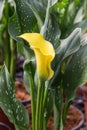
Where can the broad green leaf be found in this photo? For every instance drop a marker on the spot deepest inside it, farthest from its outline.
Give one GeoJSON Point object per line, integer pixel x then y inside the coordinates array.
{"type": "Point", "coordinates": [25, 15]}
{"type": "Point", "coordinates": [67, 47]}
{"type": "Point", "coordinates": [76, 72]}
{"type": "Point", "coordinates": [50, 28]}
{"type": "Point", "coordinates": [14, 27]}
{"type": "Point", "coordinates": [82, 25]}
{"type": "Point", "coordinates": [23, 47]}
{"type": "Point", "coordinates": [15, 111]}
{"type": "Point", "coordinates": [48, 105]}
{"type": "Point", "coordinates": [84, 39]}
{"type": "Point", "coordinates": [39, 11]}
{"type": "Point", "coordinates": [52, 33]}
{"type": "Point", "coordinates": [23, 20]}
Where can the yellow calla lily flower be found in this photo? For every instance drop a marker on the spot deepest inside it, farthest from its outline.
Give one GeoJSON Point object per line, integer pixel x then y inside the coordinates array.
{"type": "Point", "coordinates": [44, 53]}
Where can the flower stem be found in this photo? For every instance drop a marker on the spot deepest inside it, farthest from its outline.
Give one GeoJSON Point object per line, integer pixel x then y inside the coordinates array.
{"type": "Point", "coordinates": [39, 106]}
{"type": "Point", "coordinates": [44, 103]}
{"type": "Point", "coordinates": [32, 97]}
{"type": "Point", "coordinates": [37, 127]}
{"type": "Point", "coordinates": [13, 57]}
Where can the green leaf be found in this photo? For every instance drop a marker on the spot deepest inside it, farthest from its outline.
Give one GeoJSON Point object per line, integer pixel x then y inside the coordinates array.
{"type": "Point", "coordinates": [23, 20]}
{"type": "Point", "coordinates": [15, 111]}
{"type": "Point", "coordinates": [25, 15]}
{"type": "Point", "coordinates": [52, 33]}
{"type": "Point", "coordinates": [50, 28]}
{"type": "Point", "coordinates": [76, 72]}
{"type": "Point", "coordinates": [22, 47]}
{"type": "Point", "coordinates": [38, 11]}
{"type": "Point", "coordinates": [14, 27]}
{"type": "Point", "coordinates": [67, 47]}
{"type": "Point", "coordinates": [82, 25]}
{"type": "Point", "coordinates": [58, 105]}
{"type": "Point", "coordinates": [48, 105]}
{"type": "Point", "coordinates": [48, 21]}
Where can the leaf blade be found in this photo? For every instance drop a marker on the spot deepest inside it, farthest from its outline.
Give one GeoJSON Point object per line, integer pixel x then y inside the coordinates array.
{"type": "Point", "coordinates": [15, 111]}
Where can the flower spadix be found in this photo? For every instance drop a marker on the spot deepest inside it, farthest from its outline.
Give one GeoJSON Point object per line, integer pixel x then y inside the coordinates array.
{"type": "Point", "coordinates": [44, 53]}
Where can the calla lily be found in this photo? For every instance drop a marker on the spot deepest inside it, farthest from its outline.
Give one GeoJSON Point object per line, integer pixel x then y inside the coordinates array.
{"type": "Point", "coordinates": [44, 53]}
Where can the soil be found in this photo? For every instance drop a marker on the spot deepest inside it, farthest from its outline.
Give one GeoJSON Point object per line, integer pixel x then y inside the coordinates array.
{"type": "Point", "coordinates": [74, 118]}
{"type": "Point", "coordinates": [21, 92]}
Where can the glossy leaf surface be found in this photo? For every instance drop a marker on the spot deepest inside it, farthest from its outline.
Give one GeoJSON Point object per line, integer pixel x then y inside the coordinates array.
{"type": "Point", "coordinates": [67, 47]}
{"type": "Point", "coordinates": [15, 111]}
{"type": "Point", "coordinates": [76, 72]}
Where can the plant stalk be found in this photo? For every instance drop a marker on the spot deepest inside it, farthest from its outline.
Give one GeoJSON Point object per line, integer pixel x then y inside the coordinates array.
{"type": "Point", "coordinates": [39, 106]}
{"type": "Point", "coordinates": [13, 57]}
{"type": "Point", "coordinates": [66, 107]}
{"type": "Point", "coordinates": [32, 96]}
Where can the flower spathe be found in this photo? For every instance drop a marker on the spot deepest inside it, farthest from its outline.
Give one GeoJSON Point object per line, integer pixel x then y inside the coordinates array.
{"type": "Point", "coordinates": [44, 53]}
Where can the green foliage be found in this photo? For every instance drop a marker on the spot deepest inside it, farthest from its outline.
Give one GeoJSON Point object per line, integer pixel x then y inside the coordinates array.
{"type": "Point", "coordinates": [6, 43]}
{"type": "Point", "coordinates": [15, 111]}
{"type": "Point", "coordinates": [61, 23]}
{"type": "Point", "coordinates": [76, 72]}
{"type": "Point", "coordinates": [67, 47]}
{"type": "Point", "coordinates": [22, 21]}
{"type": "Point", "coordinates": [68, 20]}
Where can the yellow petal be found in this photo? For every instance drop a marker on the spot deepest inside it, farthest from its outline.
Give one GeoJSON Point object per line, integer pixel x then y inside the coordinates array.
{"type": "Point", "coordinates": [44, 53]}
{"type": "Point", "coordinates": [43, 65]}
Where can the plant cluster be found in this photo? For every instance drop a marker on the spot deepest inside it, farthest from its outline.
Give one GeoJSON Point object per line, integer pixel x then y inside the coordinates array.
{"type": "Point", "coordinates": [51, 38]}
